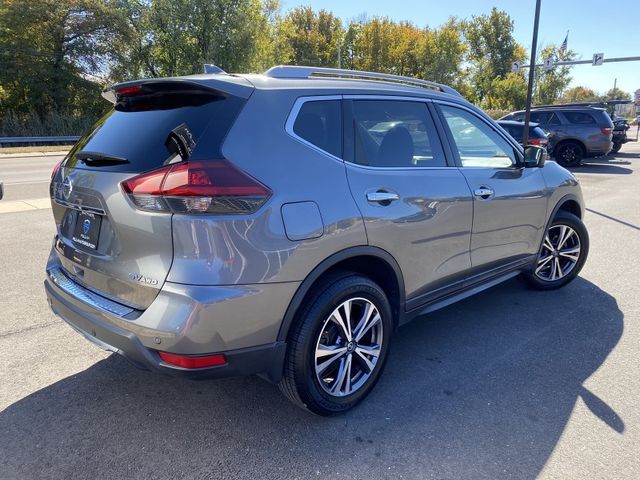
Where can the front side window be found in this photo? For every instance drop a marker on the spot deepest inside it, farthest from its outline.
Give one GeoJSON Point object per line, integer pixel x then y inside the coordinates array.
{"type": "Point", "coordinates": [395, 134]}
{"type": "Point", "coordinates": [478, 144]}
{"type": "Point", "coordinates": [319, 122]}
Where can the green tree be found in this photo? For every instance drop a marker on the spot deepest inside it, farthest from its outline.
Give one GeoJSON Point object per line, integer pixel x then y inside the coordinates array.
{"type": "Point", "coordinates": [492, 49]}
{"type": "Point", "coordinates": [616, 94]}
{"type": "Point", "coordinates": [176, 37]}
{"type": "Point", "coordinates": [51, 53]}
{"type": "Point", "coordinates": [578, 94]}
{"type": "Point", "coordinates": [312, 38]}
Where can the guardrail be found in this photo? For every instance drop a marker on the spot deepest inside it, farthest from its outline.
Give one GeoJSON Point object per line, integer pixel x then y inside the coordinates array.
{"type": "Point", "coordinates": [38, 140]}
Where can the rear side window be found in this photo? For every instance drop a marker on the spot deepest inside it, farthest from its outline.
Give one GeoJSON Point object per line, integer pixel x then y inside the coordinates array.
{"type": "Point", "coordinates": [153, 129]}
{"type": "Point", "coordinates": [545, 118]}
{"type": "Point", "coordinates": [319, 122]}
{"type": "Point", "coordinates": [579, 118]}
{"type": "Point", "coordinates": [396, 134]}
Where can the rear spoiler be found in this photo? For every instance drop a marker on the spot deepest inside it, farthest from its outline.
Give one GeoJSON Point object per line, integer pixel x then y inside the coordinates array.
{"type": "Point", "coordinates": [208, 84]}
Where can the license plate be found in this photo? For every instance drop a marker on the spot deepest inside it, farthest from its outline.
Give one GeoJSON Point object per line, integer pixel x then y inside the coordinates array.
{"type": "Point", "coordinates": [87, 230]}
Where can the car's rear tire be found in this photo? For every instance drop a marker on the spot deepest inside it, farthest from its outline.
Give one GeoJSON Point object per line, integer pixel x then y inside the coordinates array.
{"type": "Point", "coordinates": [616, 147]}
{"type": "Point", "coordinates": [350, 315]}
{"type": "Point", "coordinates": [564, 250]}
{"type": "Point", "coordinates": [569, 154]}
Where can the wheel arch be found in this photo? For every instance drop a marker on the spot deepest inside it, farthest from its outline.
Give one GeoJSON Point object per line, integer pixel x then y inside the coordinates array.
{"type": "Point", "coordinates": [373, 262]}
{"type": "Point", "coordinates": [568, 203]}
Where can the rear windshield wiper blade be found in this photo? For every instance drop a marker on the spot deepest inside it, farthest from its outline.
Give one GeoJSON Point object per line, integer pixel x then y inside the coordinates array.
{"type": "Point", "coordinates": [97, 158]}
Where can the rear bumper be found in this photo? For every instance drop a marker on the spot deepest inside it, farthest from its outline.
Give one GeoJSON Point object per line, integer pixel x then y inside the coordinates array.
{"type": "Point", "coordinates": [596, 148]}
{"type": "Point", "coordinates": [178, 331]}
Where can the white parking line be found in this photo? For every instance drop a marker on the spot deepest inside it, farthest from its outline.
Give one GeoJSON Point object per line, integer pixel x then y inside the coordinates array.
{"type": "Point", "coordinates": [25, 205]}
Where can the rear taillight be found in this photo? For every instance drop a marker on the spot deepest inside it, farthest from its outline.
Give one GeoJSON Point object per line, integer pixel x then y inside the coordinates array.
{"type": "Point", "coordinates": [56, 169]}
{"type": "Point", "coordinates": [606, 130]}
{"type": "Point", "coordinates": [215, 187]}
{"type": "Point", "coordinates": [535, 141]}
{"type": "Point", "coordinates": [193, 361]}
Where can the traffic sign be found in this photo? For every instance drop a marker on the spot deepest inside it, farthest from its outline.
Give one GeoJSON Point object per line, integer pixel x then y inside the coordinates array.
{"type": "Point", "coordinates": [515, 67]}
{"type": "Point", "coordinates": [598, 59]}
{"type": "Point", "coordinates": [548, 63]}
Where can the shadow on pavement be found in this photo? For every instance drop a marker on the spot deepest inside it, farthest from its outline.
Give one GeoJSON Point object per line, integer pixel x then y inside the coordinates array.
{"type": "Point", "coordinates": [481, 389]}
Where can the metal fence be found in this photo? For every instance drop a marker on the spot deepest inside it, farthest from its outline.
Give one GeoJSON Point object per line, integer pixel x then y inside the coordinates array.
{"type": "Point", "coordinates": [20, 141]}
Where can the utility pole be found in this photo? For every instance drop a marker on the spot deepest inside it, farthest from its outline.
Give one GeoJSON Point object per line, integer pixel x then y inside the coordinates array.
{"type": "Point", "coordinates": [532, 64]}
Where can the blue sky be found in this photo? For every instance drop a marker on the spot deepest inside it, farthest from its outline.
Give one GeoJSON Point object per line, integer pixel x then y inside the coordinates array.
{"type": "Point", "coordinates": [594, 26]}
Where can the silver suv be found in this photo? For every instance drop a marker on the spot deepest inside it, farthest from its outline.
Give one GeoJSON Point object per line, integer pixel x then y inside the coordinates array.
{"type": "Point", "coordinates": [286, 224]}
{"type": "Point", "coordinates": [578, 132]}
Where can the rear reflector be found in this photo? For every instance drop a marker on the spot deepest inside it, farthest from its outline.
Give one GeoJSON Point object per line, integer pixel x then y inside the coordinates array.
{"type": "Point", "coordinates": [191, 361]}
{"type": "Point", "coordinates": [215, 187]}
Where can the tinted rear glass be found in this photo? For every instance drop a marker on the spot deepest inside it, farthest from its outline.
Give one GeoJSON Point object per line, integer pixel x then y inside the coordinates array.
{"type": "Point", "coordinates": [537, 132]}
{"type": "Point", "coordinates": [579, 118]}
{"type": "Point", "coordinates": [319, 122]}
{"type": "Point", "coordinates": [146, 131]}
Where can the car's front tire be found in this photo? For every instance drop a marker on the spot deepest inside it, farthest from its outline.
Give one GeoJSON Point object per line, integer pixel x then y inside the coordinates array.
{"type": "Point", "coordinates": [564, 250]}
{"type": "Point", "coordinates": [338, 346]}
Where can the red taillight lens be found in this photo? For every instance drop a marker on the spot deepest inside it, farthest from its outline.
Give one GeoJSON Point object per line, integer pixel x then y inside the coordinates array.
{"type": "Point", "coordinates": [193, 361]}
{"type": "Point", "coordinates": [535, 141]}
{"type": "Point", "coordinates": [606, 130]}
{"type": "Point", "coordinates": [129, 90]}
{"type": "Point", "coordinates": [216, 187]}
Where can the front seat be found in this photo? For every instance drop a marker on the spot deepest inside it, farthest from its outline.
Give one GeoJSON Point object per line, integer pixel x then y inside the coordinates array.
{"type": "Point", "coordinates": [396, 149]}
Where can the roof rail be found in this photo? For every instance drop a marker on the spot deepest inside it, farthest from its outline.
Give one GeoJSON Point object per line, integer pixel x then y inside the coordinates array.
{"type": "Point", "coordinates": [596, 104]}
{"type": "Point", "coordinates": [289, 71]}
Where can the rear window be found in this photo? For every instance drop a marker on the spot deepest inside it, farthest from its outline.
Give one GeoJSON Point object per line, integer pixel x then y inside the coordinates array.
{"type": "Point", "coordinates": [147, 131]}
{"type": "Point", "coordinates": [537, 132]}
{"type": "Point", "coordinates": [579, 118]}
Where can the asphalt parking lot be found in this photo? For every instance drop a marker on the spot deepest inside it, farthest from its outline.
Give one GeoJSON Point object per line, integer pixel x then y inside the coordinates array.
{"type": "Point", "coordinates": [508, 384]}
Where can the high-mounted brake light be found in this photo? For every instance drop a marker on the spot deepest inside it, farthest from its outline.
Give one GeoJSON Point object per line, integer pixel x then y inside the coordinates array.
{"type": "Point", "coordinates": [193, 361]}
{"type": "Point", "coordinates": [214, 187]}
{"type": "Point", "coordinates": [128, 90]}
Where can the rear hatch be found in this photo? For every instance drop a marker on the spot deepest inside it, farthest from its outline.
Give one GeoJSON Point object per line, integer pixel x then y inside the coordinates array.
{"type": "Point", "coordinates": [105, 241]}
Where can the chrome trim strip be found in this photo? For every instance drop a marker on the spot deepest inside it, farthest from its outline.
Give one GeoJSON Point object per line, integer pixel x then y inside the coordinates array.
{"type": "Point", "coordinates": [75, 206]}
{"type": "Point", "coordinates": [93, 299]}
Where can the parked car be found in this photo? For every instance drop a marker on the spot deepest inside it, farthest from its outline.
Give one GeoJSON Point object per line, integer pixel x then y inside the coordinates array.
{"type": "Point", "coordinates": [285, 224]}
{"type": "Point", "coordinates": [580, 132]}
{"type": "Point", "coordinates": [620, 127]}
{"type": "Point", "coordinates": [537, 136]}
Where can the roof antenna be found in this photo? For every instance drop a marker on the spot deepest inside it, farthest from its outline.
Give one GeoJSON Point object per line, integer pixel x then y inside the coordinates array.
{"type": "Point", "coordinates": [211, 68]}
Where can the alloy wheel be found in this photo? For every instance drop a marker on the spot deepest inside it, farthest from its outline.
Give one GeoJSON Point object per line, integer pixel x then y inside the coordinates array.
{"type": "Point", "coordinates": [559, 255]}
{"type": "Point", "coordinates": [348, 347]}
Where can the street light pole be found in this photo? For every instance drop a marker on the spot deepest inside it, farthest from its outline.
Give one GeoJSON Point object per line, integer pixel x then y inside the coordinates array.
{"type": "Point", "coordinates": [532, 65]}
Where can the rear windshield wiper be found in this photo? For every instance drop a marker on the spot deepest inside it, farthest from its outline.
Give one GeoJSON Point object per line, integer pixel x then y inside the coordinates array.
{"type": "Point", "coordinates": [97, 158]}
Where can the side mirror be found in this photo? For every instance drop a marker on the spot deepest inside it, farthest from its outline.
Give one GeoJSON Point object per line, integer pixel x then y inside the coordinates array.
{"type": "Point", "coordinates": [533, 156]}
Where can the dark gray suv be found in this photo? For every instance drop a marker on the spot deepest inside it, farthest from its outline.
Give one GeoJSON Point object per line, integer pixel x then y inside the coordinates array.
{"type": "Point", "coordinates": [286, 224]}
{"type": "Point", "coordinates": [578, 132]}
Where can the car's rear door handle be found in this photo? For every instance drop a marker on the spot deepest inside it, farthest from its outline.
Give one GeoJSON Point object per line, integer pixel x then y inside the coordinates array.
{"type": "Point", "coordinates": [382, 197]}
{"type": "Point", "coordinates": [483, 192]}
